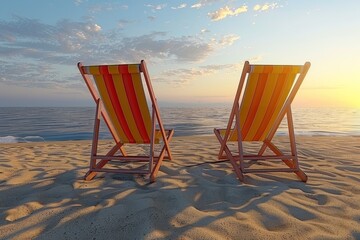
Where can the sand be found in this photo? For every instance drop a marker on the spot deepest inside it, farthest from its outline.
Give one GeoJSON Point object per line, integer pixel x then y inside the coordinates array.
{"type": "Point", "coordinates": [43, 195]}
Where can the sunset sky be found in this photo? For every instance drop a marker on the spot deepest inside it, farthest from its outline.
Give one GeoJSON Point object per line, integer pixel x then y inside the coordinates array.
{"type": "Point", "coordinates": [194, 49]}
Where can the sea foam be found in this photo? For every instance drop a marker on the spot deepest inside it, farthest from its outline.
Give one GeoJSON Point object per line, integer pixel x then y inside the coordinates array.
{"type": "Point", "coordinates": [13, 139]}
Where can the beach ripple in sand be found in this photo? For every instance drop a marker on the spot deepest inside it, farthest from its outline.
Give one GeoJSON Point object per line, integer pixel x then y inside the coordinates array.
{"type": "Point", "coordinates": [43, 196]}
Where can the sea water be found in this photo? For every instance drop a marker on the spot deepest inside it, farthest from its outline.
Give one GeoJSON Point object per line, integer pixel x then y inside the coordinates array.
{"type": "Point", "coordinates": [34, 124]}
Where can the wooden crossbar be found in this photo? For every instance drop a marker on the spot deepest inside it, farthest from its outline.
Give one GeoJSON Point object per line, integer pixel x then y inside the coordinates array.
{"type": "Point", "coordinates": [126, 171]}
{"type": "Point", "coordinates": [270, 170]}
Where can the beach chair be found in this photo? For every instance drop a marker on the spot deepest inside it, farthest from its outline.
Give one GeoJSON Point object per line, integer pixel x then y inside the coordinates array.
{"type": "Point", "coordinates": [263, 98]}
{"type": "Point", "coordinates": [121, 101]}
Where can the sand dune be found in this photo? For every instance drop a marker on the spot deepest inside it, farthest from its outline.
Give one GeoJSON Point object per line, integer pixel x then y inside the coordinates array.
{"type": "Point", "coordinates": [43, 196]}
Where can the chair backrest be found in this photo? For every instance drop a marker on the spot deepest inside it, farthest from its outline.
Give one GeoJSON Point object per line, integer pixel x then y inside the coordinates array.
{"type": "Point", "coordinates": [121, 91]}
{"type": "Point", "coordinates": [265, 93]}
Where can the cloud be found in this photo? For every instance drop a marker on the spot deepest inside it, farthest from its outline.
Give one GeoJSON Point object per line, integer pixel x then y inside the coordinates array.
{"type": "Point", "coordinates": [226, 11]}
{"type": "Point", "coordinates": [33, 75]}
{"type": "Point", "coordinates": [204, 30]}
{"type": "Point", "coordinates": [197, 5]}
{"type": "Point", "coordinates": [203, 3]}
{"type": "Point", "coordinates": [30, 43]}
{"type": "Point", "coordinates": [27, 35]}
{"type": "Point", "coordinates": [122, 23]}
{"type": "Point", "coordinates": [26, 28]}
{"type": "Point", "coordinates": [85, 40]}
{"type": "Point", "coordinates": [255, 59]}
{"type": "Point", "coordinates": [107, 7]}
{"type": "Point", "coordinates": [47, 53]}
{"type": "Point", "coordinates": [183, 76]}
{"type": "Point", "coordinates": [156, 7]}
{"type": "Point", "coordinates": [78, 2]}
{"type": "Point", "coordinates": [157, 46]}
{"type": "Point", "coordinates": [33, 54]}
{"type": "Point", "coordinates": [228, 40]}
{"type": "Point", "coordinates": [265, 7]}
{"type": "Point", "coordinates": [183, 5]}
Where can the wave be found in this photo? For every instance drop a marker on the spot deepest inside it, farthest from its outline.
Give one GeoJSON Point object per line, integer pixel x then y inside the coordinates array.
{"type": "Point", "coordinates": [13, 139]}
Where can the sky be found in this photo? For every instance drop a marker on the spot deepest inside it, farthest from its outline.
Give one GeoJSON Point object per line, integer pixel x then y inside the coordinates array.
{"type": "Point", "coordinates": [194, 50]}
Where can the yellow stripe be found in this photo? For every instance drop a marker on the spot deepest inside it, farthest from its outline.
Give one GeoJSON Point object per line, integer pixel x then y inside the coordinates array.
{"type": "Point", "coordinates": [158, 136]}
{"type": "Point", "coordinates": [253, 78]}
{"type": "Point", "coordinates": [134, 68]}
{"type": "Point", "coordinates": [113, 69]}
{"type": "Point", "coordinates": [289, 80]}
{"type": "Point", "coordinates": [296, 69]}
{"type": "Point", "coordinates": [263, 106]}
{"type": "Point", "coordinates": [140, 95]}
{"type": "Point", "coordinates": [124, 102]}
{"type": "Point", "coordinates": [94, 70]}
{"type": "Point", "coordinates": [277, 69]}
{"type": "Point", "coordinates": [99, 80]}
{"type": "Point", "coordinates": [232, 134]}
{"type": "Point", "coordinates": [257, 69]}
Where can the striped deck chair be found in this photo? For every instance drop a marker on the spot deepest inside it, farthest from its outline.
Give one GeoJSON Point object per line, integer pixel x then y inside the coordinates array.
{"type": "Point", "coordinates": [262, 100]}
{"type": "Point", "coordinates": [120, 98]}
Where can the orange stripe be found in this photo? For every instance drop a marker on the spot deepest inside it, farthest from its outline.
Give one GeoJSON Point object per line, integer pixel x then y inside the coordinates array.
{"type": "Point", "coordinates": [131, 95]}
{"type": "Point", "coordinates": [254, 104]}
{"type": "Point", "coordinates": [271, 107]}
{"type": "Point", "coordinates": [246, 101]}
{"type": "Point", "coordinates": [256, 122]}
{"type": "Point", "coordinates": [115, 102]}
{"type": "Point", "coordinates": [268, 69]}
{"type": "Point", "coordinates": [288, 83]}
{"type": "Point", "coordinates": [269, 89]}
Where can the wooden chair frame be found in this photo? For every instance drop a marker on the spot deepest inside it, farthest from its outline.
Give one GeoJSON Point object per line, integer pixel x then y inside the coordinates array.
{"type": "Point", "coordinates": [97, 162]}
{"type": "Point", "coordinates": [237, 160]}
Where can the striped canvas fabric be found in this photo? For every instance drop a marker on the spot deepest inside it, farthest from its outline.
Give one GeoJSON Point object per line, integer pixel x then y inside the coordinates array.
{"type": "Point", "coordinates": [121, 90]}
{"type": "Point", "coordinates": [266, 91]}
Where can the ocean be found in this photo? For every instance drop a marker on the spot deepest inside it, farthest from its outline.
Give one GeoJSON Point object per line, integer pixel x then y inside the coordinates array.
{"type": "Point", "coordinates": [38, 124]}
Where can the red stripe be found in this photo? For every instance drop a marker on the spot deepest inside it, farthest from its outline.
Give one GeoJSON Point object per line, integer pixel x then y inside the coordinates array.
{"type": "Point", "coordinates": [109, 83]}
{"type": "Point", "coordinates": [104, 70]}
{"type": "Point", "coordinates": [255, 103]}
{"type": "Point", "coordinates": [134, 105]}
{"type": "Point", "coordinates": [123, 69]}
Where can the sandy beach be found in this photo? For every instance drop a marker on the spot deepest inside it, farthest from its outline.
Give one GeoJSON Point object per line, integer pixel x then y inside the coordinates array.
{"type": "Point", "coordinates": [43, 195]}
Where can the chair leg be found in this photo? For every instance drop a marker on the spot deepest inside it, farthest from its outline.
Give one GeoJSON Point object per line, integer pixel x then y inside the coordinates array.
{"type": "Point", "coordinates": [161, 158]}
{"type": "Point", "coordinates": [170, 135]}
{"type": "Point", "coordinates": [289, 163]}
{"type": "Point", "coordinates": [235, 166]}
{"type": "Point", "coordinates": [92, 173]}
{"type": "Point", "coordinates": [168, 155]}
{"type": "Point", "coordinates": [302, 175]}
{"type": "Point", "coordinates": [229, 155]}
